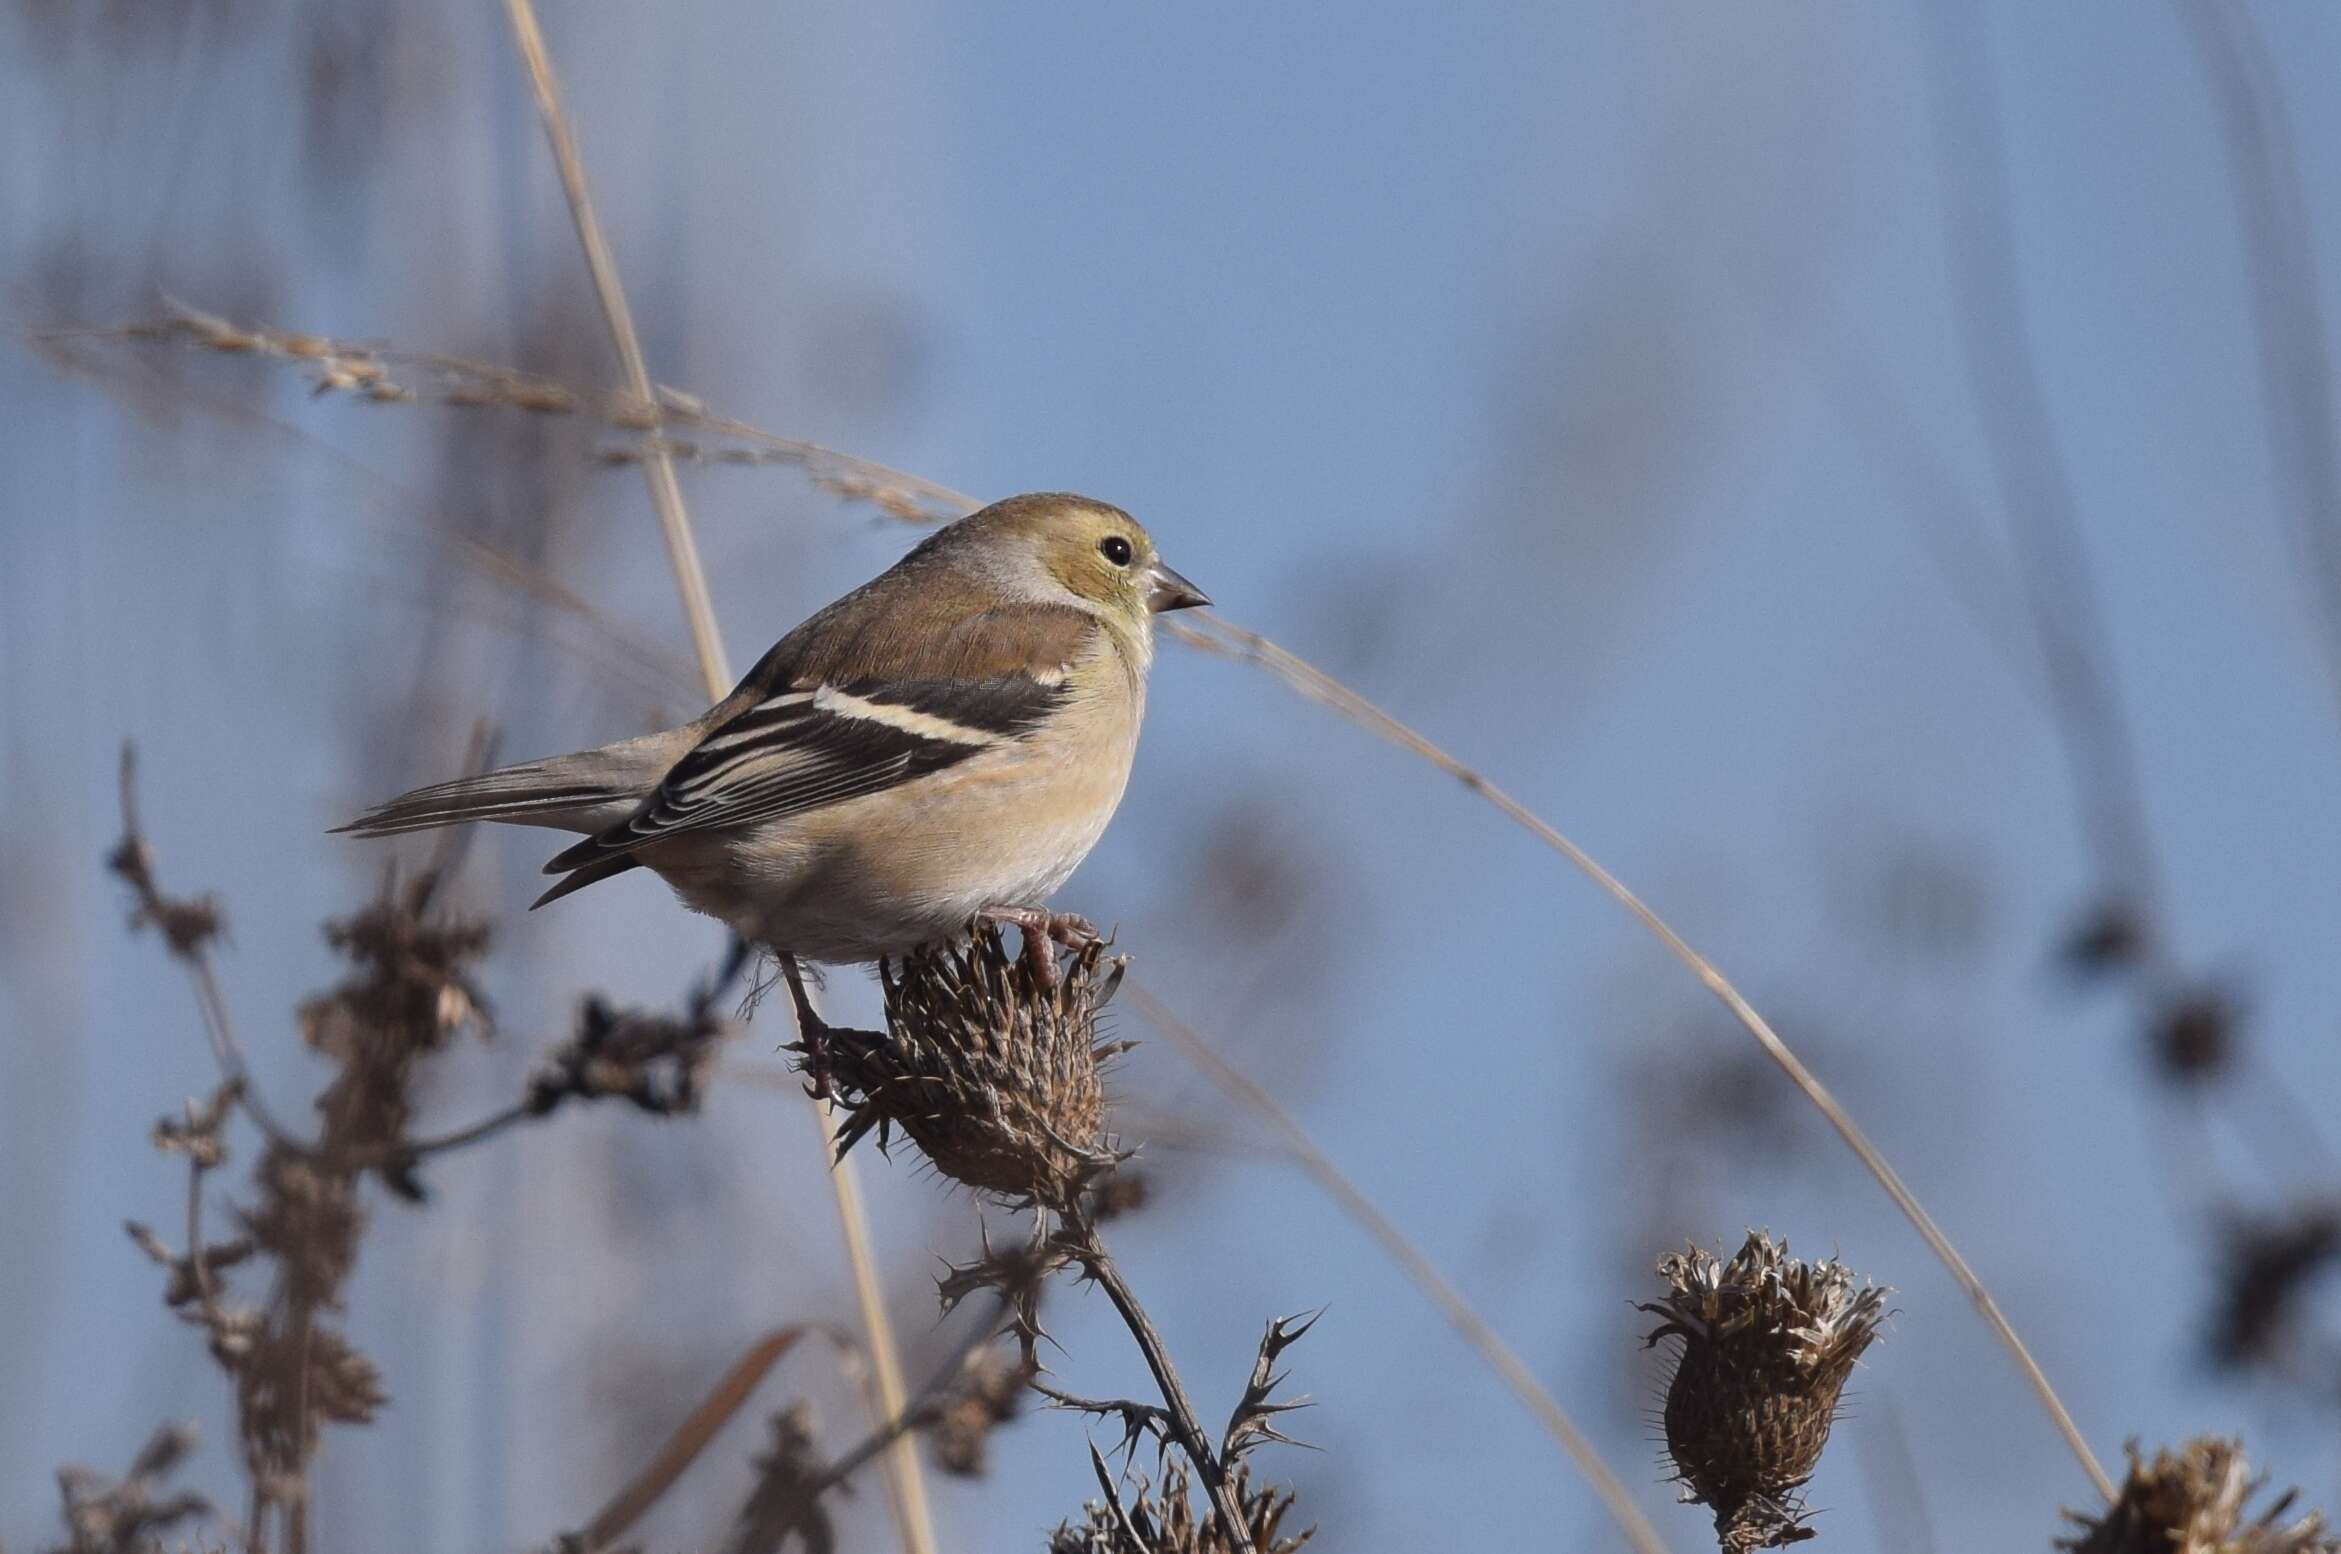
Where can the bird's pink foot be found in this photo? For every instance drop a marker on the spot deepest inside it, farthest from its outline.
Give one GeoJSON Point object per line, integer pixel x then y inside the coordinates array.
{"type": "Point", "coordinates": [1043, 930]}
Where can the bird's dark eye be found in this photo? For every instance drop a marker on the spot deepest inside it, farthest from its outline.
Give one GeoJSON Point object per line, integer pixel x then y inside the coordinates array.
{"type": "Point", "coordinates": [1116, 549]}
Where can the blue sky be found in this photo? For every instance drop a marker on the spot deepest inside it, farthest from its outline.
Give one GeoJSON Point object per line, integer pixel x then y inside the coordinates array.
{"type": "Point", "coordinates": [1465, 350]}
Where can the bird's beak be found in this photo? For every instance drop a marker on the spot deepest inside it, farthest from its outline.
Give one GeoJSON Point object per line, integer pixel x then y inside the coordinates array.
{"type": "Point", "coordinates": [1166, 590]}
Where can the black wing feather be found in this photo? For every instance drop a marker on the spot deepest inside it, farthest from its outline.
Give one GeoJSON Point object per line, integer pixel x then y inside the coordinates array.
{"type": "Point", "coordinates": [789, 754]}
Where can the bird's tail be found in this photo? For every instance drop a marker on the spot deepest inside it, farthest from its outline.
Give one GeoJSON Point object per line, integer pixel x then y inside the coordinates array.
{"type": "Point", "coordinates": [581, 792]}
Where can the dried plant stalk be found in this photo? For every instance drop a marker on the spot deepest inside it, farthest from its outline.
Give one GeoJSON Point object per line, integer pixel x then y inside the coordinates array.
{"type": "Point", "coordinates": [903, 1473]}
{"type": "Point", "coordinates": [1220, 636]}
{"type": "Point", "coordinates": [992, 1070]}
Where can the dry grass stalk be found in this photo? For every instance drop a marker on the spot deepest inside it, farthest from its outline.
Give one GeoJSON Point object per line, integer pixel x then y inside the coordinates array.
{"type": "Point", "coordinates": [969, 1395]}
{"type": "Point", "coordinates": [1461, 1315]}
{"type": "Point", "coordinates": [2195, 1501]}
{"type": "Point", "coordinates": [1216, 635]}
{"type": "Point", "coordinates": [385, 375]}
{"type": "Point", "coordinates": [904, 1478]}
{"type": "Point", "coordinates": [1766, 1344]}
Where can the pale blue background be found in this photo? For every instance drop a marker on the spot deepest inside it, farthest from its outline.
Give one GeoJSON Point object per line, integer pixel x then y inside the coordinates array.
{"type": "Point", "coordinates": [1459, 348]}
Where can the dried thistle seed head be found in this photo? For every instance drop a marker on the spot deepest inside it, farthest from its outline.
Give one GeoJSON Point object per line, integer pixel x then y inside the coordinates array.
{"type": "Point", "coordinates": [1767, 1342]}
{"type": "Point", "coordinates": [989, 1393]}
{"type": "Point", "coordinates": [2265, 1277]}
{"type": "Point", "coordinates": [1118, 1194]}
{"type": "Point", "coordinates": [993, 1076]}
{"type": "Point", "coordinates": [2193, 1035]}
{"type": "Point", "coordinates": [1165, 1521]}
{"type": "Point", "coordinates": [2193, 1502]}
{"type": "Point", "coordinates": [2109, 938]}
{"type": "Point", "coordinates": [785, 1511]}
{"type": "Point", "coordinates": [659, 1062]}
{"type": "Point", "coordinates": [106, 1516]}
{"type": "Point", "coordinates": [309, 1221]}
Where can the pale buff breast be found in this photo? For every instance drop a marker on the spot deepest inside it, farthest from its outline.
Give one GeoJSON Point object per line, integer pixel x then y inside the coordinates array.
{"type": "Point", "coordinates": [880, 875]}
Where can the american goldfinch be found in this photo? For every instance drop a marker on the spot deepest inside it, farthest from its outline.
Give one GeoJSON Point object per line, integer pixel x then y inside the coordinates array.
{"type": "Point", "coordinates": [945, 743]}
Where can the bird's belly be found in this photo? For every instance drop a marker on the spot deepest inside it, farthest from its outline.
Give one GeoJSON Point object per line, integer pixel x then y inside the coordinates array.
{"type": "Point", "coordinates": [881, 875]}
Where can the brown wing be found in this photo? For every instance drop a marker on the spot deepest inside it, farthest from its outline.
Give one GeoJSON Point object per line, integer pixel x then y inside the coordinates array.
{"type": "Point", "coordinates": [816, 726]}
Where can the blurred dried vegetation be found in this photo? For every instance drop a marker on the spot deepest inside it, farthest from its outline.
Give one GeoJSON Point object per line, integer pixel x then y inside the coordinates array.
{"type": "Point", "coordinates": [998, 1084]}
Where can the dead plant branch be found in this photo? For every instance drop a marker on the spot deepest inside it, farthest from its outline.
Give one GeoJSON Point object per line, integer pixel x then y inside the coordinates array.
{"type": "Point", "coordinates": [904, 1474]}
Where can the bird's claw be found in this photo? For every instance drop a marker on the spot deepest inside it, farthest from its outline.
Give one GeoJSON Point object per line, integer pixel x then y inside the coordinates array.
{"type": "Point", "coordinates": [813, 1043]}
{"type": "Point", "coordinates": [1043, 930]}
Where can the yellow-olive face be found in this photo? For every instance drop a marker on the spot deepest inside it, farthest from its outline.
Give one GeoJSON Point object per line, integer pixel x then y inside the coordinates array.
{"type": "Point", "coordinates": [1096, 551]}
{"type": "Point", "coordinates": [1102, 553]}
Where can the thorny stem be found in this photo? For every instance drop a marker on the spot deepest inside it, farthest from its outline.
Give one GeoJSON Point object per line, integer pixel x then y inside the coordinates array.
{"type": "Point", "coordinates": [904, 1476]}
{"type": "Point", "coordinates": [1081, 1239]}
{"type": "Point", "coordinates": [1459, 1312]}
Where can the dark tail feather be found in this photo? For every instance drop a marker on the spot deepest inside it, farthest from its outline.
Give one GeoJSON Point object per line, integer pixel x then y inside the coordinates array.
{"type": "Point", "coordinates": [531, 789]}
{"type": "Point", "coordinates": [591, 874]}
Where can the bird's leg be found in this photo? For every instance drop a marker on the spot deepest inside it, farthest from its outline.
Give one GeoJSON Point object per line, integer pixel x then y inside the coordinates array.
{"type": "Point", "coordinates": [812, 1030]}
{"type": "Point", "coordinates": [1042, 931]}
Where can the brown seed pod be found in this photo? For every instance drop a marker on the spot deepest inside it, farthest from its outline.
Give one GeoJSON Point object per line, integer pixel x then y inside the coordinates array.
{"type": "Point", "coordinates": [993, 1076]}
{"type": "Point", "coordinates": [1767, 1342]}
{"type": "Point", "coordinates": [2193, 1502]}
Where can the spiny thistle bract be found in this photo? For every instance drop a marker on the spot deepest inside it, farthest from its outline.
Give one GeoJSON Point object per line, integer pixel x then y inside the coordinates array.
{"type": "Point", "coordinates": [992, 1075]}
{"type": "Point", "coordinates": [1166, 1522]}
{"type": "Point", "coordinates": [1767, 1342]}
{"type": "Point", "coordinates": [2192, 1502]}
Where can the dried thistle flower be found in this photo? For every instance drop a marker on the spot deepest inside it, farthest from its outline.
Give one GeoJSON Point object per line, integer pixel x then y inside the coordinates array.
{"type": "Point", "coordinates": [187, 923]}
{"type": "Point", "coordinates": [656, 1061]}
{"type": "Point", "coordinates": [989, 1393]}
{"type": "Point", "coordinates": [309, 1221]}
{"type": "Point", "coordinates": [2269, 1264]}
{"type": "Point", "coordinates": [1118, 1194]}
{"type": "Point", "coordinates": [2110, 938]}
{"type": "Point", "coordinates": [2193, 1035]}
{"type": "Point", "coordinates": [2193, 1502]}
{"type": "Point", "coordinates": [1165, 1521]}
{"type": "Point", "coordinates": [296, 1377]}
{"type": "Point", "coordinates": [1767, 1343]}
{"type": "Point", "coordinates": [128, 1515]}
{"type": "Point", "coordinates": [993, 1076]}
{"type": "Point", "coordinates": [785, 1510]}
{"type": "Point", "coordinates": [199, 1134]}
{"type": "Point", "coordinates": [194, 1273]}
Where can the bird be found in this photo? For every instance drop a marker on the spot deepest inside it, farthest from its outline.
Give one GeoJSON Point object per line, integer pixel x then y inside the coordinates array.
{"type": "Point", "coordinates": [941, 746]}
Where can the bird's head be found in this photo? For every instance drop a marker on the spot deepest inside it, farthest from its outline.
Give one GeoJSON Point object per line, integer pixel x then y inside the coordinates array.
{"type": "Point", "coordinates": [1096, 552]}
